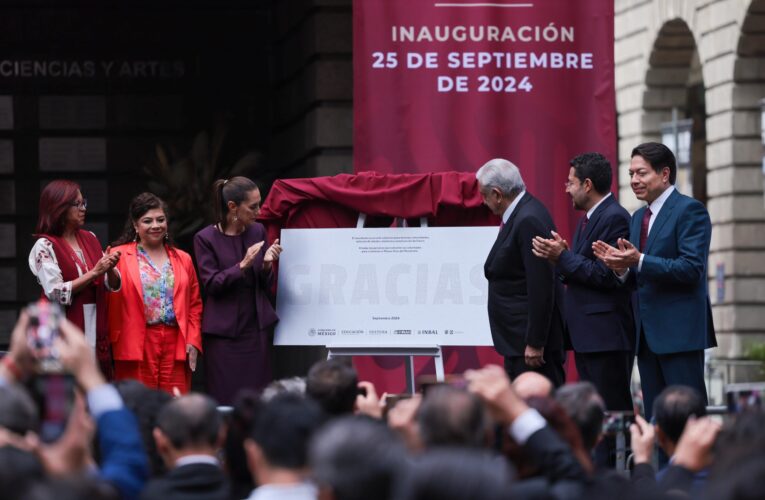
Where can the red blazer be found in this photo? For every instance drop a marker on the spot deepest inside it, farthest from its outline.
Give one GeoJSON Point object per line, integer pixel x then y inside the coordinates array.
{"type": "Point", "coordinates": [127, 319]}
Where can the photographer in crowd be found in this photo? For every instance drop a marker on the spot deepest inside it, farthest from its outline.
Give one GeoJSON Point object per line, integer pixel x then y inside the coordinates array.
{"type": "Point", "coordinates": [123, 464]}
{"type": "Point", "coordinates": [471, 437]}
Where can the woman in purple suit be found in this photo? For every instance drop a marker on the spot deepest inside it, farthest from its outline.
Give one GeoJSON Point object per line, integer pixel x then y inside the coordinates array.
{"type": "Point", "coordinates": [235, 269]}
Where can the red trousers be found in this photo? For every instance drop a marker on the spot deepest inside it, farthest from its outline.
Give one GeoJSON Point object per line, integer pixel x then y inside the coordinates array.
{"type": "Point", "coordinates": [159, 369]}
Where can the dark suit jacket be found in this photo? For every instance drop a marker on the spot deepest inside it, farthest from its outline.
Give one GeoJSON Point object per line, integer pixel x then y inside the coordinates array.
{"type": "Point", "coordinates": [560, 474]}
{"type": "Point", "coordinates": [524, 296]}
{"type": "Point", "coordinates": [597, 308]}
{"type": "Point", "coordinates": [673, 303]}
{"type": "Point", "coordinates": [189, 482]}
{"type": "Point", "coordinates": [673, 483]}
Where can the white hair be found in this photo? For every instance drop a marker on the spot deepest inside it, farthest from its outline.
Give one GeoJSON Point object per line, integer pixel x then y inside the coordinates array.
{"type": "Point", "coordinates": [501, 174]}
{"type": "Point", "coordinates": [292, 385]}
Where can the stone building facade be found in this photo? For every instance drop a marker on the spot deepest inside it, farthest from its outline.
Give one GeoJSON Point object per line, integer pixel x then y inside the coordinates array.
{"type": "Point", "coordinates": [285, 73]}
{"type": "Point", "coordinates": [705, 58]}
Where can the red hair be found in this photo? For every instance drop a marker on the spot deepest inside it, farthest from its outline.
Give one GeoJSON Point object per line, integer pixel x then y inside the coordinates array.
{"type": "Point", "coordinates": [56, 198]}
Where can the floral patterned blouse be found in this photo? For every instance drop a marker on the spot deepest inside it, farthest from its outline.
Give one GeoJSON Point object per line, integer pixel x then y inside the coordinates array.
{"type": "Point", "coordinates": [157, 290]}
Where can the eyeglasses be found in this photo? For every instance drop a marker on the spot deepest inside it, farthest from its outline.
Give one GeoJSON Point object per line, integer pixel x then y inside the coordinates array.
{"type": "Point", "coordinates": [80, 204]}
{"type": "Point", "coordinates": [569, 184]}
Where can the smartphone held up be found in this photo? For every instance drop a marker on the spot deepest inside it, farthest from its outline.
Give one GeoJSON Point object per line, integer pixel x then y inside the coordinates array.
{"type": "Point", "coordinates": [43, 330]}
{"type": "Point", "coordinates": [51, 388]}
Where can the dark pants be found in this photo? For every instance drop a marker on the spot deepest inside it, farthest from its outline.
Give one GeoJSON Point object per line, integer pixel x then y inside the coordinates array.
{"type": "Point", "coordinates": [610, 372]}
{"type": "Point", "coordinates": [658, 371]}
{"type": "Point", "coordinates": [552, 367]}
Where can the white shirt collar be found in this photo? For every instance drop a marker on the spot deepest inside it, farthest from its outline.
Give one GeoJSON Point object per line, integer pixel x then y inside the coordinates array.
{"type": "Point", "coordinates": [509, 210]}
{"type": "Point", "coordinates": [656, 205]}
{"type": "Point", "coordinates": [592, 210]}
{"type": "Point", "coordinates": [197, 459]}
{"type": "Point", "coordinates": [296, 491]}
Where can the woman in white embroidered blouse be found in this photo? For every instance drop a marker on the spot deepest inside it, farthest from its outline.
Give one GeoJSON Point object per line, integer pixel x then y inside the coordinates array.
{"type": "Point", "coordinates": [70, 265]}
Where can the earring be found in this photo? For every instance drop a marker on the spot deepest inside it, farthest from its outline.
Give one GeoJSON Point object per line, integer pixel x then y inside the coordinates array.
{"type": "Point", "coordinates": [167, 236]}
{"type": "Point", "coordinates": [236, 218]}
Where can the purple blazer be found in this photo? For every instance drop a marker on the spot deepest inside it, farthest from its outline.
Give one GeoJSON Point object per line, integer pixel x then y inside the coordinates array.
{"type": "Point", "coordinates": [230, 294]}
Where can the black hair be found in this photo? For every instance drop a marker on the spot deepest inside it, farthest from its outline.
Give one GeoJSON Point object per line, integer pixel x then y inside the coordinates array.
{"type": "Point", "coordinates": [449, 416]}
{"type": "Point", "coordinates": [334, 385]}
{"type": "Point", "coordinates": [738, 471]}
{"type": "Point", "coordinates": [18, 412]}
{"type": "Point", "coordinates": [239, 427]}
{"type": "Point", "coordinates": [358, 458]}
{"type": "Point", "coordinates": [283, 429]}
{"type": "Point", "coordinates": [225, 190]}
{"type": "Point", "coordinates": [658, 156]}
{"type": "Point", "coordinates": [455, 474]}
{"type": "Point", "coordinates": [19, 470]}
{"type": "Point", "coordinates": [593, 166]}
{"type": "Point", "coordinates": [137, 209]}
{"type": "Point", "coordinates": [191, 420]}
{"type": "Point", "coordinates": [584, 405]}
{"type": "Point", "coordinates": [674, 406]}
{"type": "Point", "coordinates": [145, 404]}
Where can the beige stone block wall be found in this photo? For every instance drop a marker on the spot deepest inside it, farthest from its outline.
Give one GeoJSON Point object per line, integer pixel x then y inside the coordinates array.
{"type": "Point", "coordinates": [735, 179]}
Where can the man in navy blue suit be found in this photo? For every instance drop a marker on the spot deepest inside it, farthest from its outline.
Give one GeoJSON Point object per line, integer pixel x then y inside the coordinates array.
{"type": "Point", "coordinates": [597, 308]}
{"type": "Point", "coordinates": [665, 259]}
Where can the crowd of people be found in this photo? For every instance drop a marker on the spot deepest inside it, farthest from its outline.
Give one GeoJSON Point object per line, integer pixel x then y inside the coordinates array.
{"type": "Point", "coordinates": [330, 436]}
{"type": "Point", "coordinates": [136, 326]}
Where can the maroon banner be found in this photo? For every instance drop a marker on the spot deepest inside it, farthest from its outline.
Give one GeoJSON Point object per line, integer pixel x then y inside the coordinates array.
{"type": "Point", "coordinates": [442, 86]}
{"type": "Point", "coordinates": [448, 85]}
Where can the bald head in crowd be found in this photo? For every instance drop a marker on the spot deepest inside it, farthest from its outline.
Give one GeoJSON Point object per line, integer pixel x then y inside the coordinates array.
{"type": "Point", "coordinates": [189, 425]}
{"type": "Point", "coordinates": [530, 384]}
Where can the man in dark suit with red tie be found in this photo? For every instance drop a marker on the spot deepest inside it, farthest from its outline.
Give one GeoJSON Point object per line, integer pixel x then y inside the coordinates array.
{"type": "Point", "coordinates": [597, 308]}
{"type": "Point", "coordinates": [665, 260]}
{"type": "Point", "coordinates": [524, 295]}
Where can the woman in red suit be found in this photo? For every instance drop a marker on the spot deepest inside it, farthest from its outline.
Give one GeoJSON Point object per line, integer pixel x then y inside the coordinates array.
{"type": "Point", "coordinates": [154, 320]}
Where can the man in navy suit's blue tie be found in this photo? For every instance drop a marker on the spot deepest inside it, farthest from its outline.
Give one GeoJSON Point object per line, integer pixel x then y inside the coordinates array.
{"type": "Point", "coordinates": [665, 259]}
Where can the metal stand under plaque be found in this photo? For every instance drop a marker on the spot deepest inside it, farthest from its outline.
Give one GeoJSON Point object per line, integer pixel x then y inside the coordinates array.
{"type": "Point", "coordinates": [408, 352]}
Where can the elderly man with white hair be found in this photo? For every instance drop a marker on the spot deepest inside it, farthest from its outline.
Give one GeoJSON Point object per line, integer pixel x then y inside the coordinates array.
{"type": "Point", "coordinates": [524, 296]}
